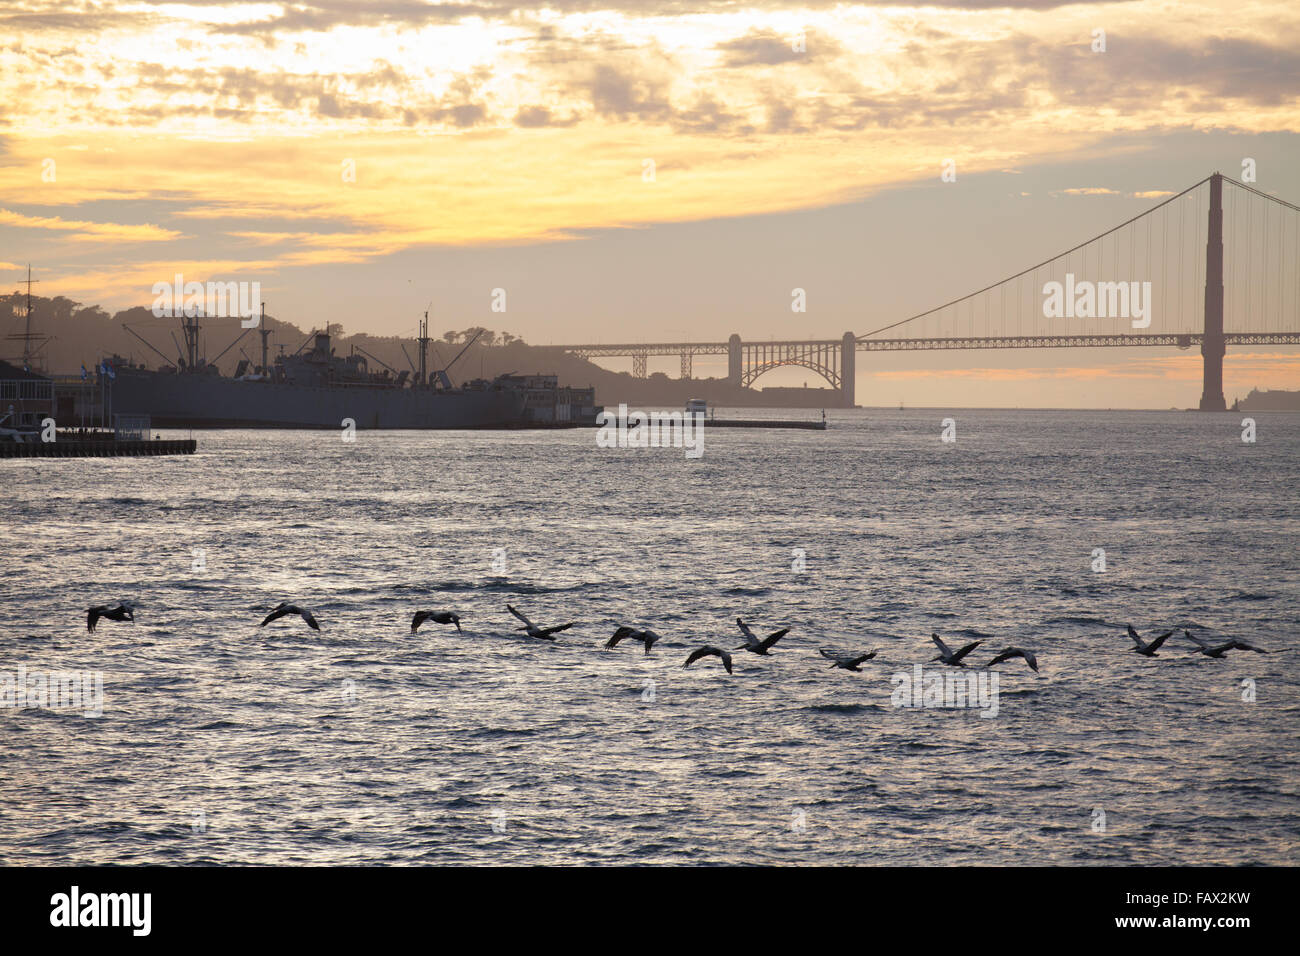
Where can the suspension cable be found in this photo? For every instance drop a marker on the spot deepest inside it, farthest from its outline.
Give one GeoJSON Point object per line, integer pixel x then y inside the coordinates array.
{"type": "Point", "coordinates": [886, 328]}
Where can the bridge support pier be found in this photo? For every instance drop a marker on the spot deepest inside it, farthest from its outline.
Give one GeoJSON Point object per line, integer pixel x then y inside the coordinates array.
{"type": "Point", "coordinates": [848, 354]}
{"type": "Point", "coordinates": [1212, 345]}
{"type": "Point", "coordinates": [735, 360]}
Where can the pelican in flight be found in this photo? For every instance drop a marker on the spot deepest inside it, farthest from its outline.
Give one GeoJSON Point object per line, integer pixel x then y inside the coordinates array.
{"type": "Point", "coordinates": [1010, 652]}
{"type": "Point", "coordinates": [545, 633]}
{"type": "Point", "coordinates": [1218, 650]}
{"type": "Point", "coordinates": [1147, 650]}
{"type": "Point", "coordinates": [284, 608]}
{"type": "Point", "coordinates": [948, 655]}
{"type": "Point", "coordinates": [123, 612]}
{"type": "Point", "coordinates": [847, 661]}
{"type": "Point", "coordinates": [706, 651]}
{"type": "Point", "coordinates": [646, 637]}
{"type": "Point", "coordinates": [752, 643]}
{"type": "Point", "coordinates": [437, 617]}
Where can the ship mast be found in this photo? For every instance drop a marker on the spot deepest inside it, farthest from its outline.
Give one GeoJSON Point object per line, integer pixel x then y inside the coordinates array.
{"type": "Point", "coordinates": [27, 330]}
{"type": "Point", "coordinates": [424, 349]}
{"type": "Point", "coordinates": [27, 335]}
{"type": "Point", "coordinates": [264, 332]}
{"type": "Point", "coordinates": [190, 326]}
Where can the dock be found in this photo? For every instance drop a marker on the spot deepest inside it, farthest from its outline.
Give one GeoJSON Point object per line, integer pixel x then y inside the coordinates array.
{"type": "Point", "coordinates": [763, 423]}
{"type": "Point", "coordinates": [98, 448]}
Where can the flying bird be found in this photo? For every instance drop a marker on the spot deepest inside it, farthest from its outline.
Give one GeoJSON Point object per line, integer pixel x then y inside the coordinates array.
{"type": "Point", "coordinates": [847, 661]}
{"type": "Point", "coordinates": [1010, 652]}
{"type": "Point", "coordinates": [706, 651]}
{"type": "Point", "coordinates": [437, 617]}
{"type": "Point", "coordinates": [123, 612]}
{"type": "Point", "coordinates": [284, 608]}
{"type": "Point", "coordinates": [1218, 650]}
{"type": "Point", "coordinates": [752, 643]}
{"type": "Point", "coordinates": [948, 655]}
{"type": "Point", "coordinates": [1147, 650]}
{"type": "Point", "coordinates": [647, 637]}
{"type": "Point", "coordinates": [545, 633]}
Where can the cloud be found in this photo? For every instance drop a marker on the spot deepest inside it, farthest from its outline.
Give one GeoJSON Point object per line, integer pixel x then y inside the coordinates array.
{"type": "Point", "coordinates": [769, 49]}
{"type": "Point", "coordinates": [90, 231]}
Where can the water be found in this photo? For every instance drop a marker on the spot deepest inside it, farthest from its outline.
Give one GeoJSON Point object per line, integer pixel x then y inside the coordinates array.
{"type": "Point", "coordinates": [224, 742]}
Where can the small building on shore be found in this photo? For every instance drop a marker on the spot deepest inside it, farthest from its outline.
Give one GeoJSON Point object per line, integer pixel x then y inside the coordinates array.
{"type": "Point", "coordinates": [25, 397]}
{"type": "Point", "coordinates": [546, 402]}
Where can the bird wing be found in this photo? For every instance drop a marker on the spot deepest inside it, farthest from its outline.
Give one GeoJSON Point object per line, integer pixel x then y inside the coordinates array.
{"type": "Point", "coordinates": [1160, 640]}
{"type": "Point", "coordinates": [773, 638]}
{"type": "Point", "coordinates": [1030, 659]}
{"type": "Point", "coordinates": [278, 613]}
{"type": "Point", "coordinates": [944, 649]}
{"type": "Point", "coordinates": [701, 652]}
{"type": "Point", "coordinates": [1199, 640]}
{"type": "Point", "coordinates": [420, 618]}
{"type": "Point", "coordinates": [860, 658]}
{"type": "Point", "coordinates": [744, 629]}
{"type": "Point", "coordinates": [1134, 634]}
{"type": "Point", "coordinates": [548, 631]}
{"type": "Point", "coordinates": [621, 633]}
{"type": "Point", "coordinates": [966, 650]}
{"type": "Point", "coordinates": [516, 613]}
{"type": "Point", "coordinates": [93, 615]}
{"type": "Point", "coordinates": [311, 621]}
{"type": "Point", "coordinates": [1247, 646]}
{"type": "Point", "coordinates": [831, 655]}
{"type": "Point", "coordinates": [1004, 655]}
{"type": "Point", "coordinates": [726, 660]}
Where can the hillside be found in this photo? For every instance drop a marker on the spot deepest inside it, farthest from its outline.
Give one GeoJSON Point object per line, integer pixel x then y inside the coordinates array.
{"type": "Point", "coordinates": [79, 335]}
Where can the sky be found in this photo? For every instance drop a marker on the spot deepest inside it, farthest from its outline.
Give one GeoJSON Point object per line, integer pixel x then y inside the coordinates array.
{"type": "Point", "coordinates": [653, 171]}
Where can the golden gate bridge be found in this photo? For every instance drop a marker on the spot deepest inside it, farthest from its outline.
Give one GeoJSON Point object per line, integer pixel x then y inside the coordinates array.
{"type": "Point", "coordinates": [1243, 289]}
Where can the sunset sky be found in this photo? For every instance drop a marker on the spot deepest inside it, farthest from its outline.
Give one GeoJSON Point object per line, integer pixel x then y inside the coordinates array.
{"type": "Point", "coordinates": [507, 146]}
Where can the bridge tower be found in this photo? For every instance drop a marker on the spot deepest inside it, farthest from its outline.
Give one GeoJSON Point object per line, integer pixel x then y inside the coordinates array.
{"type": "Point", "coordinates": [735, 360]}
{"type": "Point", "coordinates": [1212, 344]}
{"type": "Point", "coordinates": [848, 349]}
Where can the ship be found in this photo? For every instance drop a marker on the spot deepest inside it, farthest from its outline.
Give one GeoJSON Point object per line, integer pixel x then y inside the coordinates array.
{"type": "Point", "coordinates": [315, 388]}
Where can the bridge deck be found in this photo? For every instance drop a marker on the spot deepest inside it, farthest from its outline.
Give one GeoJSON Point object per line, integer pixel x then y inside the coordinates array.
{"type": "Point", "coordinates": [1161, 339]}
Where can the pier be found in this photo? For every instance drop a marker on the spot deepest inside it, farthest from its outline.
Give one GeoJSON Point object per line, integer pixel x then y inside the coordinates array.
{"type": "Point", "coordinates": [97, 446]}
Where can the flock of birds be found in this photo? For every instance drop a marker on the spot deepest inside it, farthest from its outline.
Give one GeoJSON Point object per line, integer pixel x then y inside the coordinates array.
{"type": "Point", "coordinates": [648, 638]}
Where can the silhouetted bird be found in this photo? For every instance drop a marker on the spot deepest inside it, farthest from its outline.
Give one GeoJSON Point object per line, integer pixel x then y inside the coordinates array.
{"type": "Point", "coordinates": [284, 608]}
{"type": "Point", "coordinates": [437, 617]}
{"type": "Point", "coordinates": [1010, 652]}
{"type": "Point", "coordinates": [847, 661]}
{"type": "Point", "coordinates": [123, 612]}
{"type": "Point", "coordinates": [948, 655]}
{"type": "Point", "coordinates": [545, 633]}
{"type": "Point", "coordinates": [647, 637]}
{"type": "Point", "coordinates": [1147, 650]}
{"type": "Point", "coordinates": [706, 651]}
{"type": "Point", "coordinates": [753, 644]}
{"type": "Point", "coordinates": [1218, 650]}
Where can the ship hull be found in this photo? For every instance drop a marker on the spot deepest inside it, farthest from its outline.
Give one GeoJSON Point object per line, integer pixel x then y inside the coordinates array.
{"type": "Point", "coordinates": [210, 401]}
